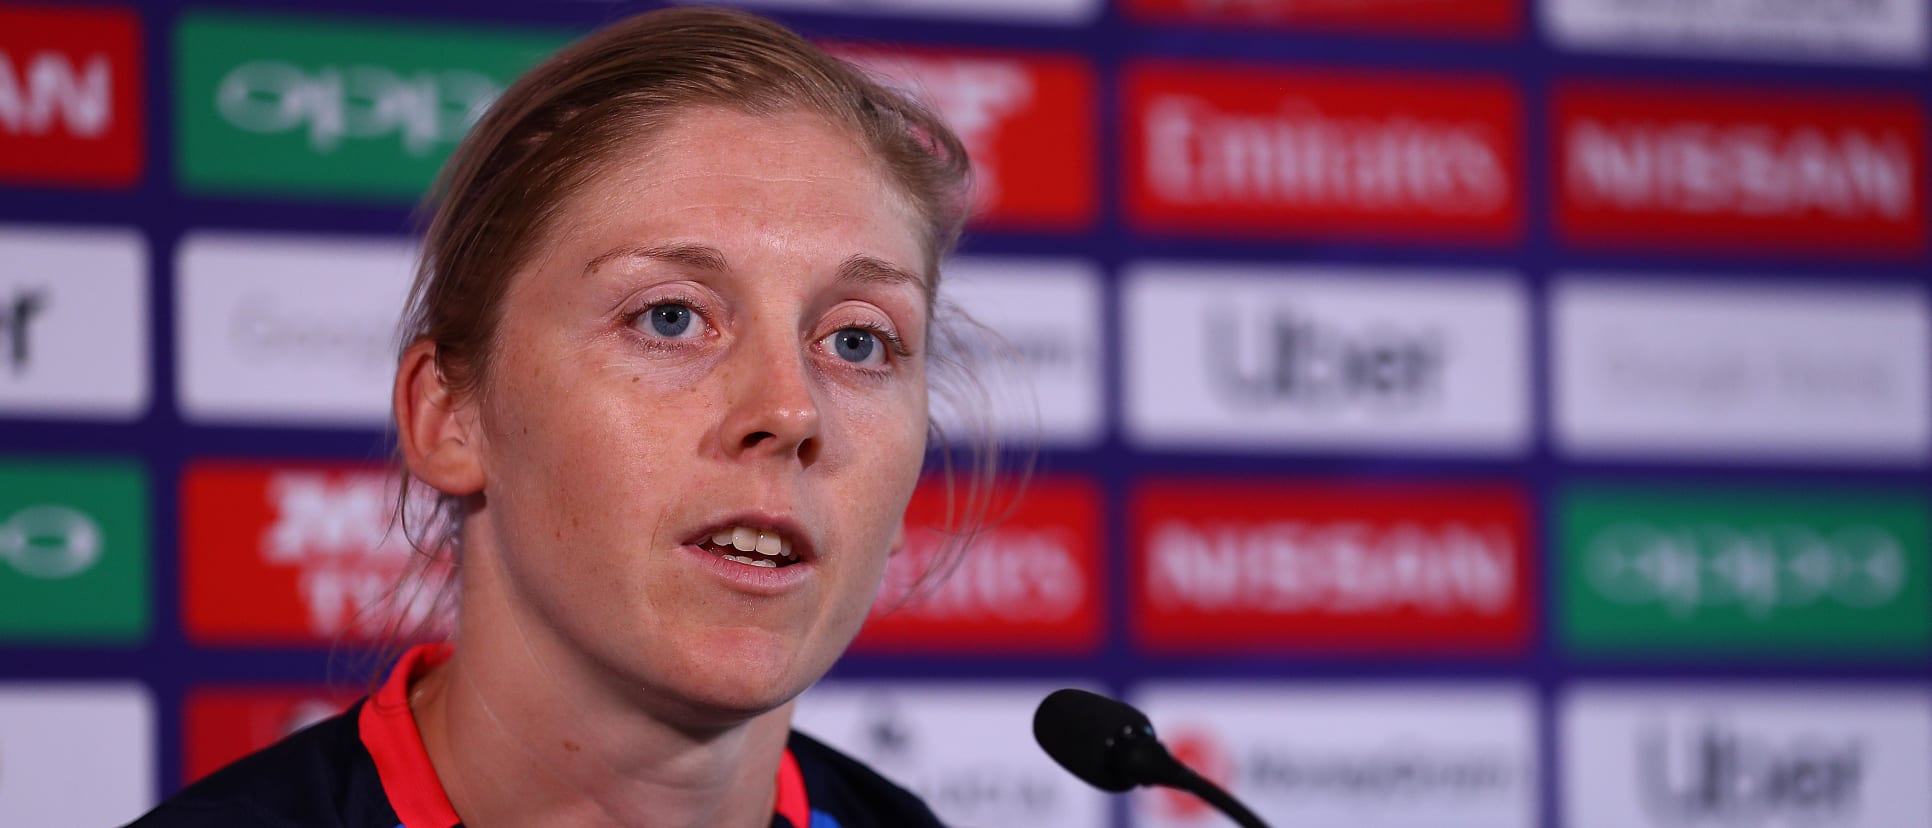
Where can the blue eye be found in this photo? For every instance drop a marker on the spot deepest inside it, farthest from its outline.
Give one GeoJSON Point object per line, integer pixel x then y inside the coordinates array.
{"type": "Point", "coordinates": [857, 345]}
{"type": "Point", "coordinates": [670, 320]}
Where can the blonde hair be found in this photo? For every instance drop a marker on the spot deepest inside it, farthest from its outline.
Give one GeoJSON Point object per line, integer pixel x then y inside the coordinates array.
{"type": "Point", "coordinates": [552, 132]}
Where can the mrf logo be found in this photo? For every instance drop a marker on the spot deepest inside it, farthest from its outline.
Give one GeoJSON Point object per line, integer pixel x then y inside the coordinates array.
{"type": "Point", "coordinates": [294, 555]}
{"type": "Point", "coordinates": [1029, 583]}
{"type": "Point", "coordinates": [1249, 151]}
{"type": "Point", "coordinates": [70, 96]}
{"type": "Point", "coordinates": [222, 724]}
{"type": "Point", "coordinates": [1740, 169]}
{"type": "Point", "coordinates": [1026, 120]}
{"type": "Point", "coordinates": [1306, 566]}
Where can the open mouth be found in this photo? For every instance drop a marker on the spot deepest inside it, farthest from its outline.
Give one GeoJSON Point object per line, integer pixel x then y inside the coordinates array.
{"type": "Point", "coordinates": [751, 547]}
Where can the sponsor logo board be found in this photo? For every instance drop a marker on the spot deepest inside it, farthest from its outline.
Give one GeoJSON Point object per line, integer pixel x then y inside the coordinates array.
{"type": "Point", "coordinates": [966, 749]}
{"type": "Point", "coordinates": [1663, 569]}
{"type": "Point", "coordinates": [1272, 153]}
{"type": "Point", "coordinates": [289, 329]}
{"type": "Point", "coordinates": [1739, 169]}
{"type": "Point", "coordinates": [1742, 372]}
{"type": "Point", "coordinates": [1453, 18]}
{"type": "Point", "coordinates": [300, 106]}
{"type": "Point", "coordinates": [1030, 343]}
{"type": "Point", "coordinates": [1326, 359]}
{"type": "Point", "coordinates": [75, 754]}
{"type": "Point", "coordinates": [1027, 120]}
{"type": "Point", "coordinates": [70, 96]}
{"type": "Point", "coordinates": [1031, 581]}
{"type": "Point", "coordinates": [1240, 566]}
{"type": "Point", "coordinates": [73, 323]}
{"type": "Point", "coordinates": [73, 551]}
{"type": "Point", "coordinates": [1849, 31]}
{"type": "Point", "coordinates": [1065, 12]}
{"type": "Point", "coordinates": [1784, 756]}
{"type": "Point", "coordinates": [222, 724]}
{"type": "Point", "coordinates": [1417, 756]}
{"type": "Point", "coordinates": [287, 554]}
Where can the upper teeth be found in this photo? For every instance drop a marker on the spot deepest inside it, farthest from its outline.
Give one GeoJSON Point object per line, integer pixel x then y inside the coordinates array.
{"type": "Point", "coordinates": [747, 539]}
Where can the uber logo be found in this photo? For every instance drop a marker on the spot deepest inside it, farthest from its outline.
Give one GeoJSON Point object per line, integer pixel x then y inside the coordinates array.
{"type": "Point", "coordinates": [1327, 358]}
{"type": "Point", "coordinates": [1302, 361]}
{"type": "Point", "coordinates": [73, 323]}
{"type": "Point", "coordinates": [16, 314]}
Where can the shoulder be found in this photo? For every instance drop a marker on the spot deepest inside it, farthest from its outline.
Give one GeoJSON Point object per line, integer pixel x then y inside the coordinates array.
{"type": "Point", "coordinates": [851, 794]}
{"type": "Point", "coordinates": [320, 776]}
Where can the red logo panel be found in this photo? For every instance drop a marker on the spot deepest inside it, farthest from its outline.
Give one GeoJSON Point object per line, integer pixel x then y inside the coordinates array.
{"type": "Point", "coordinates": [1027, 122]}
{"type": "Point", "coordinates": [70, 96]}
{"type": "Point", "coordinates": [291, 555]}
{"type": "Point", "coordinates": [1230, 566]}
{"type": "Point", "coordinates": [1456, 18]}
{"type": "Point", "coordinates": [1267, 152]}
{"type": "Point", "coordinates": [1030, 584]}
{"type": "Point", "coordinates": [1739, 170]}
{"type": "Point", "coordinates": [225, 724]}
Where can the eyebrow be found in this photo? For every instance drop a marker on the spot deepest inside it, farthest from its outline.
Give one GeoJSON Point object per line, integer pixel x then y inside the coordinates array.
{"type": "Point", "coordinates": [697, 256]}
{"type": "Point", "coordinates": [857, 268]}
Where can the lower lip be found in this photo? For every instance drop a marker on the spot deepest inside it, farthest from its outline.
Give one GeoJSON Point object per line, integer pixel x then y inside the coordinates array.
{"type": "Point", "coordinates": [758, 580]}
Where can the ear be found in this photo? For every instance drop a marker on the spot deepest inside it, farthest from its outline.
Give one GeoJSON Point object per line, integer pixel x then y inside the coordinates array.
{"type": "Point", "coordinates": [436, 431]}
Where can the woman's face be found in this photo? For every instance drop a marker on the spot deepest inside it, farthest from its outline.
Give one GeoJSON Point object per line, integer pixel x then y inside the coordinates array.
{"type": "Point", "coordinates": [721, 345]}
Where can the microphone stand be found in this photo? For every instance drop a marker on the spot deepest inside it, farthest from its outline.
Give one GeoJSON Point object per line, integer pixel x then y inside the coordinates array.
{"type": "Point", "coordinates": [1150, 761]}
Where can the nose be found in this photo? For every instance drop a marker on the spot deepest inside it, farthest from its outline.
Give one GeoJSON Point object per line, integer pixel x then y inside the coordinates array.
{"type": "Point", "coordinates": [772, 409]}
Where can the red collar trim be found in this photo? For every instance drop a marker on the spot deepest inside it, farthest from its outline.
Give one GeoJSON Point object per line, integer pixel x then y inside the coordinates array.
{"type": "Point", "coordinates": [389, 733]}
{"type": "Point", "coordinates": [791, 803]}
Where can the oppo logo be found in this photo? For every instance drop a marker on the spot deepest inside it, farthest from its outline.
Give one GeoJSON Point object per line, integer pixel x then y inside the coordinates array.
{"type": "Point", "coordinates": [423, 111]}
{"type": "Point", "coordinates": [16, 314]}
{"type": "Point", "coordinates": [49, 87]}
{"type": "Point", "coordinates": [1759, 569]}
{"type": "Point", "coordinates": [50, 542]}
{"type": "Point", "coordinates": [1297, 360]}
{"type": "Point", "coordinates": [1716, 776]}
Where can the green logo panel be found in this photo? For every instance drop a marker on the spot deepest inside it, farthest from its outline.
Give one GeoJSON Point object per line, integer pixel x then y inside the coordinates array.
{"type": "Point", "coordinates": [1758, 573]}
{"type": "Point", "coordinates": [73, 551]}
{"type": "Point", "coordinates": [305, 107]}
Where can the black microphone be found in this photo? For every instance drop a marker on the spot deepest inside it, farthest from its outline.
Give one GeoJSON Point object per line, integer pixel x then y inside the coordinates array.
{"type": "Point", "coordinates": [1111, 746]}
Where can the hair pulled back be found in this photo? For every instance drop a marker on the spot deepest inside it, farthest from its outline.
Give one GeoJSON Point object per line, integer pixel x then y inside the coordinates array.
{"type": "Point", "coordinates": [555, 129]}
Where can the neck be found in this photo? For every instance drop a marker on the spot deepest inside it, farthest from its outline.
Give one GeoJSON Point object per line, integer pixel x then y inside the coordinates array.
{"type": "Point", "coordinates": [523, 731]}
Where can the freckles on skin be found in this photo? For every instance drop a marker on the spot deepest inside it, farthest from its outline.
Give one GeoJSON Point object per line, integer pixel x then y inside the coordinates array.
{"type": "Point", "coordinates": [624, 448]}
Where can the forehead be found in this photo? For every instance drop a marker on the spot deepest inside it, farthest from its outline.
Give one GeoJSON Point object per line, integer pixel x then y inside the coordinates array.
{"type": "Point", "coordinates": [753, 186]}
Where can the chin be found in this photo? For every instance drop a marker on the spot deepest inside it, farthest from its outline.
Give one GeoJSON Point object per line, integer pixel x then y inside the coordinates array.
{"type": "Point", "coordinates": [736, 675]}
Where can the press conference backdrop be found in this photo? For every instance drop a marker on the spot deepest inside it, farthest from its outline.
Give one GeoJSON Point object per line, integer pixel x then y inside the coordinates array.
{"type": "Point", "coordinates": [1474, 413]}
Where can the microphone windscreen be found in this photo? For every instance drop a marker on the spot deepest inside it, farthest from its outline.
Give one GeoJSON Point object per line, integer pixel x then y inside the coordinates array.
{"type": "Point", "coordinates": [1082, 731]}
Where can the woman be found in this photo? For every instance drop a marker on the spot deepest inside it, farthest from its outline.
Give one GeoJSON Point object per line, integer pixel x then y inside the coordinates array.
{"type": "Point", "coordinates": [668, 370]}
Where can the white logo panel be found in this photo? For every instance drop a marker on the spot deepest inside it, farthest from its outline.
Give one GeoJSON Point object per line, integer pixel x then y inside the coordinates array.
{"type": "Point", "coordinates": [1849, 31]}
{"type": "Point", "coordinates": [1041, 368]}
{"type": "Point", "coordinates": [1326, 358]}
{"type": "Point", "coordinates": [73, 323]}
{"type": "Point", "coordinates": [78, 754]}
{"type": "Point", "coordinates": [967, 750]}
{"type": "Point", "coordinates": [289, 329]}
{"type": "Point", "coordinates": [1707, 757]}
{"type": "Point", "coordinates": [1741, 372]}
{"type": "Point", "coordinates": [1440, 756]}
{"type": "Point", "coordinates": [1068, 12]}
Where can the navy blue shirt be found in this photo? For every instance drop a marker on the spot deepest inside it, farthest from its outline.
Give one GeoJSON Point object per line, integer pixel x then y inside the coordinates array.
{"type": "Point", "coordinates": [367, 768]}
